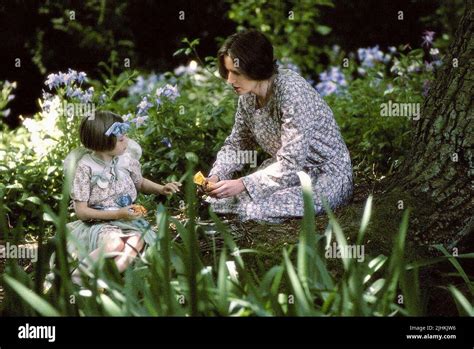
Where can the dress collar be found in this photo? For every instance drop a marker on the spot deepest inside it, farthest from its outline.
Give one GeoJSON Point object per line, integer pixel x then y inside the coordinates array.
{"type": "Point", "coordinates": [102, 162]}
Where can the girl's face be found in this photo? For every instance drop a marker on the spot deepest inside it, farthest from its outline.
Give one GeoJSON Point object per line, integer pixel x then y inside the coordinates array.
{"type": "Point", "coordinates": [120, 146]}
{"type": "Point", "coordinates": [239, 82]}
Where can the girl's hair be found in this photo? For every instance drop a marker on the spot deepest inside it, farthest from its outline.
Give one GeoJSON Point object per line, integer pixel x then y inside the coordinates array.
{"type": "Point", "coordinates": [253, 52]}
{"type": "Point", "coordinates": [92, 131]}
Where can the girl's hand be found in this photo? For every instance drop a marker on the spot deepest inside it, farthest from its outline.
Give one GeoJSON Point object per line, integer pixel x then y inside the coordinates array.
{"type": "Point", "coordinates": [226, 188]}
{"type": "Point", "coordinates": [170, 188]}
{"type": "Point", "coordinates": [128, 214]}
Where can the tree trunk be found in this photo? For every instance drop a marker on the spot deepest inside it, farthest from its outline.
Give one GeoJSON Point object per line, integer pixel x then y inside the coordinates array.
{"type": "Point", "coordinates": [440, 164]}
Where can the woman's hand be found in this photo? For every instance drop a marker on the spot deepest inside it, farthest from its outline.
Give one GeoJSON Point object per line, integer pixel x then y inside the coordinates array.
{"type": "Point", "coordinates": [226, 188]}
{"type": "Point", "coordinates": [213, 179]}
{"type": "Point", "coordinates": [170, 188]}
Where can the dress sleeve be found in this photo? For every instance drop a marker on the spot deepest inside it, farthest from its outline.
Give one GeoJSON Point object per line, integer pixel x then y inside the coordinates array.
{"type": "Point", "coordinates": [136, 172]}
{"type": "Point", "coordinates": [81, 185]}
{"type": "Point", "coordinates": [241, 138]}
{"type": "Point", "coordinates": [295, 116]}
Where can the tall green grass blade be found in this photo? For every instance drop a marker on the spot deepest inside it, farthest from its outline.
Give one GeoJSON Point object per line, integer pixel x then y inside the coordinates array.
{"type": "Point", "coordinates": [458, 267]}
{"type": "Point", "coordinates": [35, 301]}
{"type": "Point", "coordinates": [307, 240]}
{"type": "Point", "coordinates": [302, 302]}
{"type": "Point", "coordinates": [461, 301]}
{"type": "Point", "coordinates": [365, 220]}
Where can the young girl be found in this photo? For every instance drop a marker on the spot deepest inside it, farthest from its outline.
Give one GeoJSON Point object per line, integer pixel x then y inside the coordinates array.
{"type": "Point", "coordinates": [106, 177]}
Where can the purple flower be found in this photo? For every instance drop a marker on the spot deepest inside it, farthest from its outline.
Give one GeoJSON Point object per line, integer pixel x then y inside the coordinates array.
{"type": "Point", "coordinates": [145, 85]}
{"type": "Point", "coordinates": [81, 77]}
{"type": "Point", "coordinates": [47, 105]}
{"type": "Point", "coordinates": [74, 93]}
{"type": "Point", "coordinates": [102, 98]}
{"type": "Point", "coordinates": [429, 66]}
{"type": "Point", "coordinates": [287, 63]}
{"type": "Point", "coordinates": [168, 91]}
{"type": "Point", "coordinates": [143, 106]}
{"type": "Point", "coordinates": [70, 77]}
{"type": "Point", "coordinates": [86, 97]}
{"type": "Point", "coordinates": [326, 88]}
{"type": "Point", "coordinates": [189, 69]}
{"type": "Point", "coordinates": [332, 81]}
{"type": "Point", "coordinates": [368, 56]}
{"type": "Point", "coordinates": [166, 142]}
{"type": "Point", "coordinates": [427, 37]}
{"type": "Point", "coordinates": [47, 95]}
{"type": "Point", "coordinates": [389, 89]}
{"type": "Point", "coordinates": [52, 81]}
{"type": "Point", "coordinates": [361, 71]}
{"type": "Point", "coordinates": [140, 120]}
{"type": "Point", "coordinates": [66, 79]}
{"type": "Point", "coordinates": [127, 117]}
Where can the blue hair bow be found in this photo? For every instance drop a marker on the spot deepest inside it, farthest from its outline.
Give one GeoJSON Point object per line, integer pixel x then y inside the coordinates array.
{"type": "Point", "coordinates": [118, 129]}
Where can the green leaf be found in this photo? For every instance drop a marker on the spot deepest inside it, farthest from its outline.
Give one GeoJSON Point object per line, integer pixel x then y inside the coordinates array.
{"type": "Point", "coordinates": [462, 301]}
{"type": "Point", "coordinates": [301, 299]}
{"type": "Point", "coordinates": [30, 297]}
{"type": "Point", "coordinates": [34, 199]}
{"type": "Point", "coordinates": [365, 220]}
{"type": "Point", "coordinates": [323, 29]}
{"type": "Point", "coordinates": [192, 157]}
{"type": "Point", "coordinates": [110, 307]}
{"type": "Point", "coordinates": [458, 267]}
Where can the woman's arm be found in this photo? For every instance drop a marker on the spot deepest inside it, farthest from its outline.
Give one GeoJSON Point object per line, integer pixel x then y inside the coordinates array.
{"type": "Point", "coordinates": [241, 138]}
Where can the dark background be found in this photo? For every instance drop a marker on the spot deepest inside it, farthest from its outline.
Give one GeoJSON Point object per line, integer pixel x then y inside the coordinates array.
{"type": "Point", "coordinates": [149, 32]}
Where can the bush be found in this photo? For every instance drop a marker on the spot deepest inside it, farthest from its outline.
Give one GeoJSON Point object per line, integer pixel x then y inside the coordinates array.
{"type": "Point", "coordinates": [360, 87]}
{"type": "Point", "coordinates": [190, 101]}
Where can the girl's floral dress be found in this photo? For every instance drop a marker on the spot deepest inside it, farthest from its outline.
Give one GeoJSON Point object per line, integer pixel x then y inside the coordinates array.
{"type": "Point", "coordinates": [298, 130]}
{"type": "Point", "coordinates": [105, 186]}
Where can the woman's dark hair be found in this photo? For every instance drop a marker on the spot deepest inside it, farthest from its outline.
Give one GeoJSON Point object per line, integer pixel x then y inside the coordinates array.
{"type": "Point", "coordinates": [92, 131]}
{"type": "Point", "coordinates": [253, 52]}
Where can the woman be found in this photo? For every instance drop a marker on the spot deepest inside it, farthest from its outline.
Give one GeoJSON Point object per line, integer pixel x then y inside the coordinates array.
{"type": "Point", "coordinates": [283, 114]}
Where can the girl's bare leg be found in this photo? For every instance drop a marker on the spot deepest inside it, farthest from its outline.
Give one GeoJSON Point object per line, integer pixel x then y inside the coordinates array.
{"type": "Point", "coordinates": [132, 245]}
{"type": "Point", "coordinates": [114, 244]}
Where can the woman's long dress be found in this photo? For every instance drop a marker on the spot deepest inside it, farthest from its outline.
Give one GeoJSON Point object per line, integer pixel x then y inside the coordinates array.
{"type": "Point", "coordinates": [298, 130]}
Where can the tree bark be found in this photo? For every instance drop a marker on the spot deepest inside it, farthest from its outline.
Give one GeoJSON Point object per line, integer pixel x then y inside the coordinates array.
{"type": "Point", "coordinates": [440, 164]}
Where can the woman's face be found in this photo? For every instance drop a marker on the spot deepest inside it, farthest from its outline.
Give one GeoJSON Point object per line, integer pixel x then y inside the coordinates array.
{"type": "Point", "coordinates": [239, 82]}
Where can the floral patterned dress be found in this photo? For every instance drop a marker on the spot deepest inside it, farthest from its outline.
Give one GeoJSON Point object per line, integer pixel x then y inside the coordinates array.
{"type": "Point", "coordinates": [105, 186]}
{"type": "Point", "coordinates": [298, 130]}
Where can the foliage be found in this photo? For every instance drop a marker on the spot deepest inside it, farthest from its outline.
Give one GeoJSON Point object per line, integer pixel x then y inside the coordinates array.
{"type": "Point", "coordinates": [359, 87]}
{"type": "Point", "coordinates": [171, 278]}
{"type": "Point", "coordinates": [92, 29]}
{"type": "Point", "coordinates": [292, 26]}
{"type": "Point", "coordinates": [163, 118]}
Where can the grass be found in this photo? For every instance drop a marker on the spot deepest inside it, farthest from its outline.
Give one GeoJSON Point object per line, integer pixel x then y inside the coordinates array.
{"type": "Point", "coordinates": [172, 278]}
